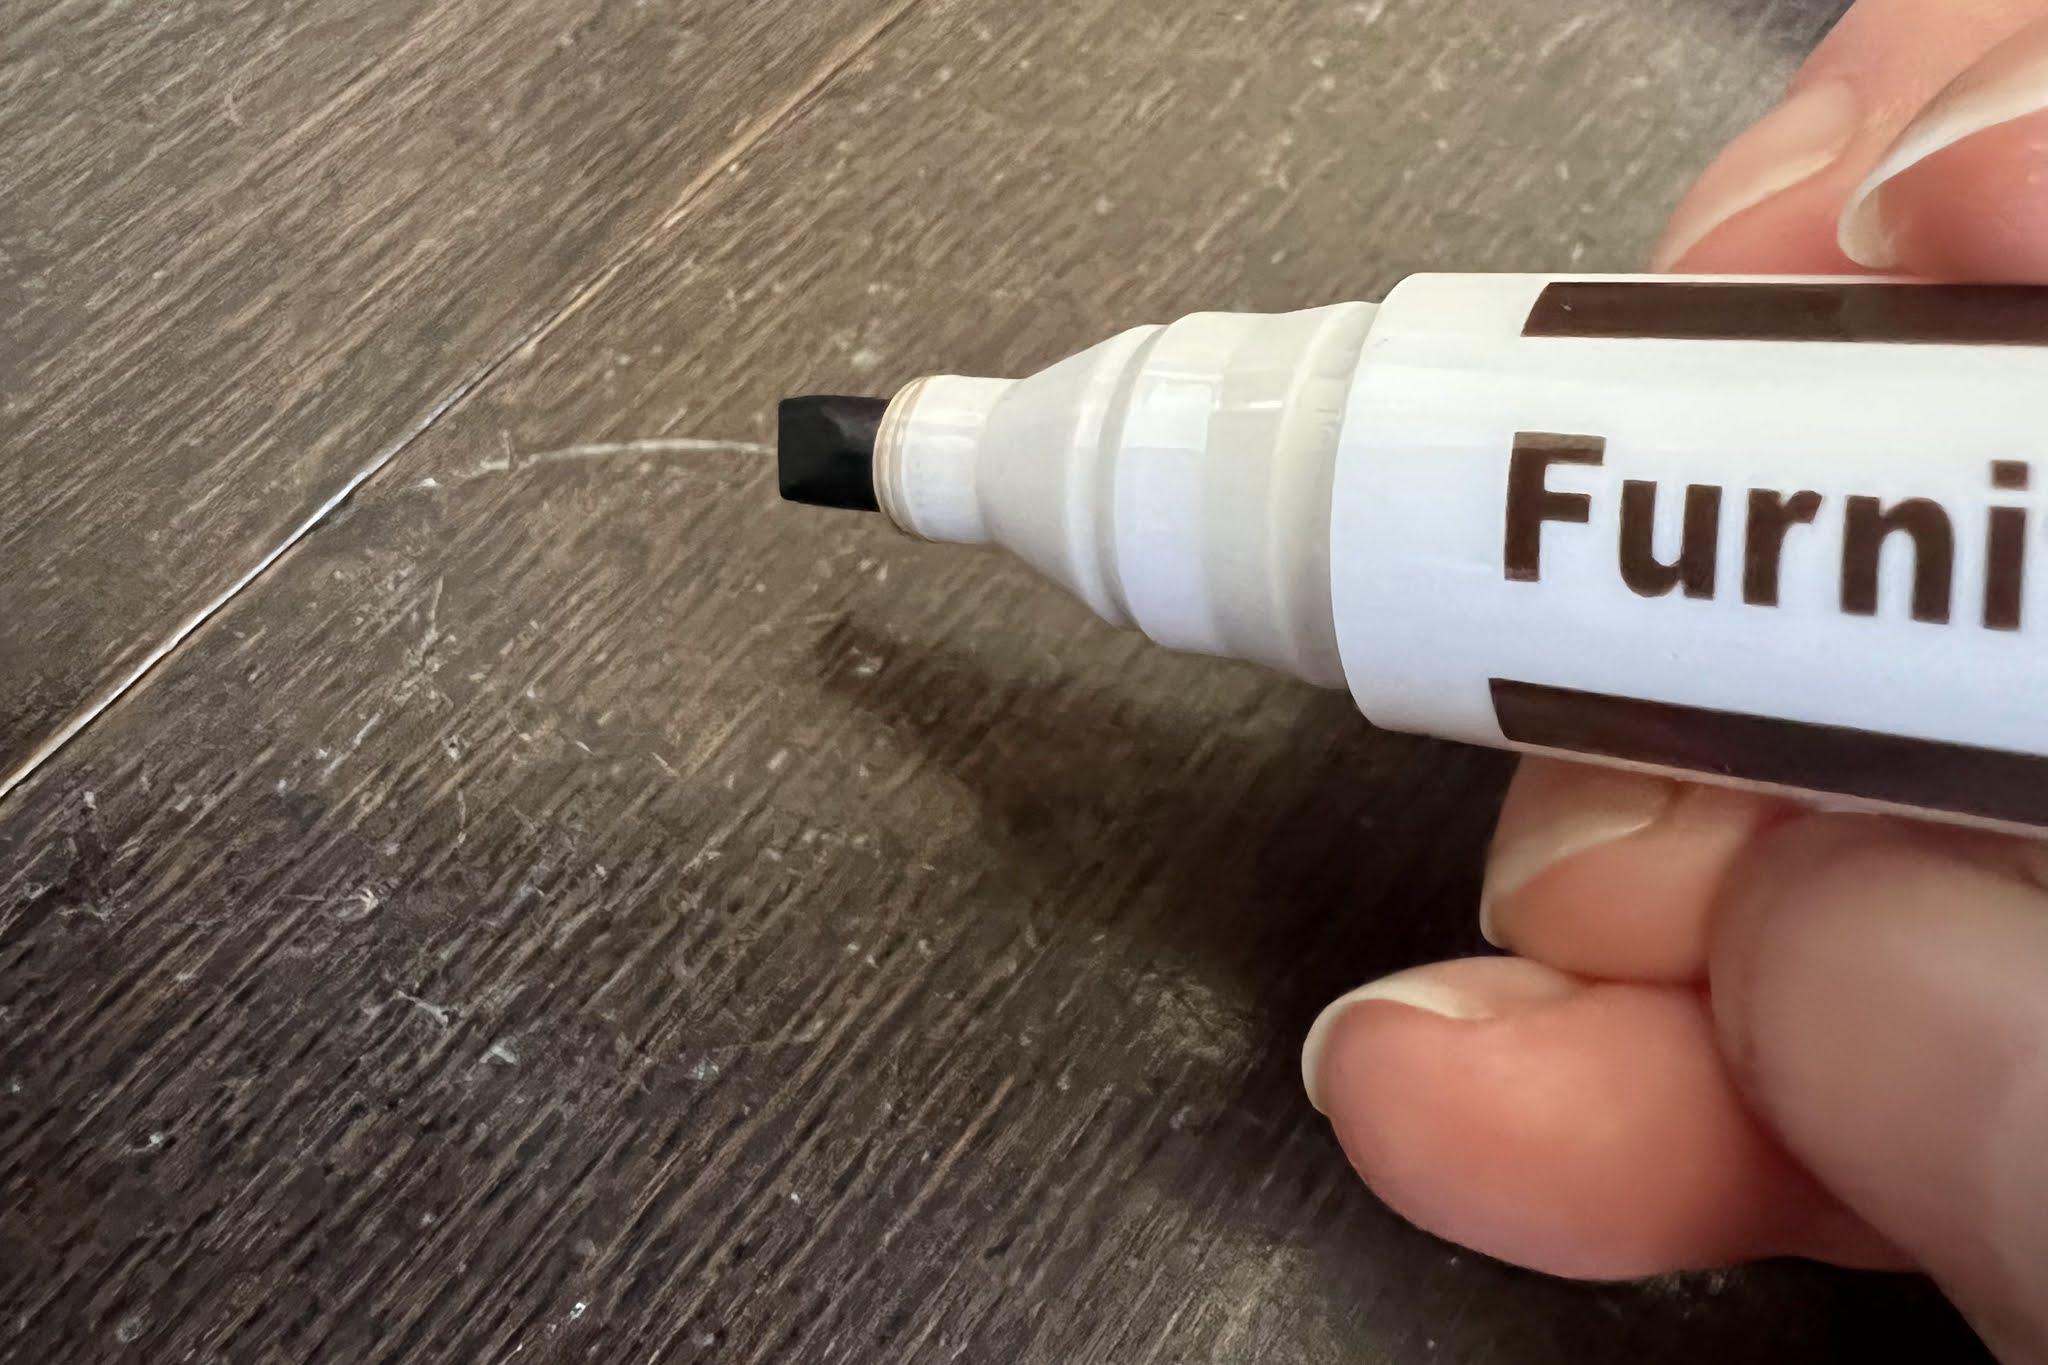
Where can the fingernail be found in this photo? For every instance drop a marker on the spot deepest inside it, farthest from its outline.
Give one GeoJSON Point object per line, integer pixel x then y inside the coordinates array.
{"type": "Point", "coordinates": [1421, 989]}
{"type": "Point", "coordinates": [1794, 142]}
{"type": "Point", "coordinates": [2010, 84]}
{"type": "Point", "coordinates": [1469, 989]}
{"type": "Point", "coordinates": [1601, 807]}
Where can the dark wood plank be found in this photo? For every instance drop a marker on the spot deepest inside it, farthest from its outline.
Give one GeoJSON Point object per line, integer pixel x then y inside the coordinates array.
{"type": "Point", "coordinates": [247, 249]}
{"type": "Point", "coordinates": [576, 908]}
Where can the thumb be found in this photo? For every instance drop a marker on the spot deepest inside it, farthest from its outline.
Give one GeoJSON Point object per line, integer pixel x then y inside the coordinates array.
{"type": "Point", "coordinates": [1882, 993]}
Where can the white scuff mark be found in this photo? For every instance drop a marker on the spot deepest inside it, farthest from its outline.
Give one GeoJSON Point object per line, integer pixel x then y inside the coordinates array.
{"type": "Point", "coordinates": [1570, 29]}
{"type": "Point", "coordinates": [778, 760]}
{"type": "Point", "coordinates": [577, 1311]}
{"type": "Point", "coordinates": [704, 1070]}
{"type": "Point", "coordinates": [503, 1051]}
{"type": "Point", "coordinates": [432, 635]}
{"type": "Point", "coordinates": [615, 450]}
{"type": "Point", "coordinates": [803, 1037]}
{"type": "Point", "coordinates": [440, 1014]}
{"type": "Point", "coordinates": [357, 907]}
{"type": "Point", "coordinates": [354, 744]}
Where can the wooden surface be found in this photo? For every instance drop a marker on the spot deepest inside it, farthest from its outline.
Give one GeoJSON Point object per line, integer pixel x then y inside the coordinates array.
{"type": "Point", "coordinates": [568, 906]}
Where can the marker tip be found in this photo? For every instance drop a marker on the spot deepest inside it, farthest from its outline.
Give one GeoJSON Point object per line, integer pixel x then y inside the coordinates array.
{"type": "Point", "coordinates": [825, 451]}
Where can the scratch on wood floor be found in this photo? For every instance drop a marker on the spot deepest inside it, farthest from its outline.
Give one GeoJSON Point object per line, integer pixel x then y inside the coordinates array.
{"type": "Point", "coordinates": [457, 396]}
{"type": "Point", "coordinates": [432, 636]}
{"type": "Point", "coordinates": [440, 1014]}
{"type": "Point", "coordinates": [184, 629]}
{"type": "Point", "coordinates": [1565, 32]}
{"type": "Point", "coordinates": [354, 744]}
{"type": "Point", "coordinates": [611, 450]}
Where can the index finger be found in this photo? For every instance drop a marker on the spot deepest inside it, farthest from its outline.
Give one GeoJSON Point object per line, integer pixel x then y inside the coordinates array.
{"type": "Point", "coordinates": [1773, 201]}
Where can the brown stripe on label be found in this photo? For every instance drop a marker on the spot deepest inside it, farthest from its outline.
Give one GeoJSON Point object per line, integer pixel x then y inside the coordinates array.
{"type": "Point", "coordinates": [1900, 314]}
{"type": "Point", "coordinates": [1991, 784]}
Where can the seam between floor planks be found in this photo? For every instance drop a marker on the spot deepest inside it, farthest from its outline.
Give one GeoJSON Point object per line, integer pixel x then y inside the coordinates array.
{"type": "Point", "coordinates": [749, 137]}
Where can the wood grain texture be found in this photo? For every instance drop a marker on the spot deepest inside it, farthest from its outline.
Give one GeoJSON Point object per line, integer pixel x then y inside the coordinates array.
{"type": "Point", "coordinates": [249, 249]}
{"type": "Point", "coordinates": [576, 908]}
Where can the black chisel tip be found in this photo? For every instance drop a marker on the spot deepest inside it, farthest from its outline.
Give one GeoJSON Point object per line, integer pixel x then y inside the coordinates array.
{"type": "Point", "coordinates": [825, 451]}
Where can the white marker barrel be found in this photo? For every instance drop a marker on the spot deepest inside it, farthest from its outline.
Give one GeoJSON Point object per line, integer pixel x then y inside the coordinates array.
{"type": "Point", "coordinates": [1773, 533]}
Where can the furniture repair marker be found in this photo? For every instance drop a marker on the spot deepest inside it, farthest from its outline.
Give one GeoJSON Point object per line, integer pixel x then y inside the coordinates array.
{"type": "Point", "coordinates": [1777, 534]}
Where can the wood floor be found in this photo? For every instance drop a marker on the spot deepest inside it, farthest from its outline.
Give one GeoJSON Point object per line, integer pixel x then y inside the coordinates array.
{"type": "Point", "coordinates": [481, 880]}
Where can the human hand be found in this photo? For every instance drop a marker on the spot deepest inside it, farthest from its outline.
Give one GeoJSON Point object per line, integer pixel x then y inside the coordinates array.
{"type": "Point", "coordinates": [1734, 1028]}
